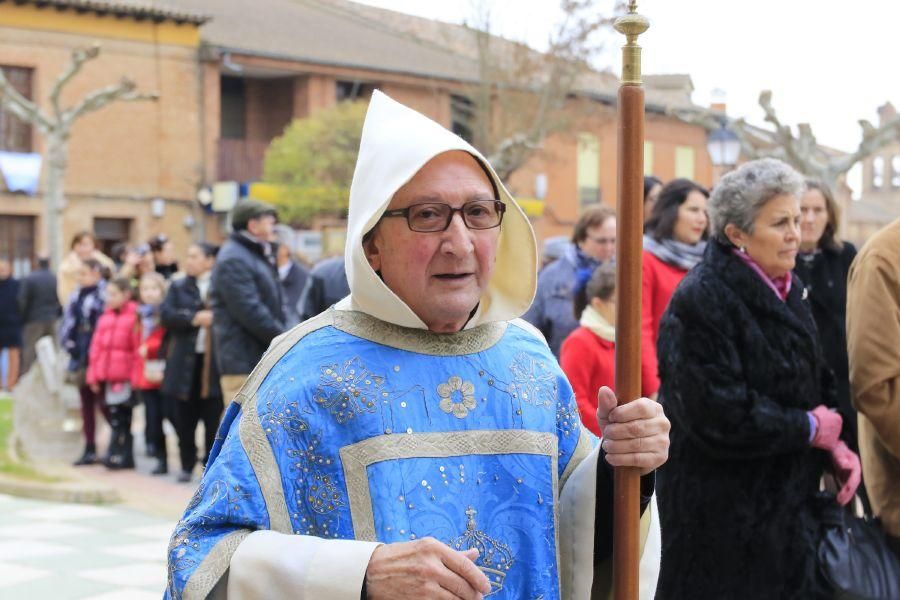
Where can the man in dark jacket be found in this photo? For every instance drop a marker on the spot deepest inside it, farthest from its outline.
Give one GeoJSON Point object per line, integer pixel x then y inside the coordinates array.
{"type": "Point", "coordinates": [39, 307]}
{"type": "Point", "coordinates": [246, 295]}
{"type": "Point", "coordinates": [327, 283]}
{"type": "Point", "coordinates": [293, 278]}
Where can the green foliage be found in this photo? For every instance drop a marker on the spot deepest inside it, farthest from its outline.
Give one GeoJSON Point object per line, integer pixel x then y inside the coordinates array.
{"type": "Point", "coordinates": [8, 466]}
{"type": "Point", "coordinates": [312, 162]}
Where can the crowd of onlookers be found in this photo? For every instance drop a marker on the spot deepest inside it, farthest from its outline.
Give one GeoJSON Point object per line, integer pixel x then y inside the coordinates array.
{"type": "Point", "coordinates": [141, 328]}
{"type": "Point", "coordinates": [748, 342]}
{"type": "Point", "coordinates": [772, 346]}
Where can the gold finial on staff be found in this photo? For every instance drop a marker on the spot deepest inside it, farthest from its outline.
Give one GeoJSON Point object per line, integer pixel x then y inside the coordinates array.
{"type": "Point", "coordinates": [631, 25]}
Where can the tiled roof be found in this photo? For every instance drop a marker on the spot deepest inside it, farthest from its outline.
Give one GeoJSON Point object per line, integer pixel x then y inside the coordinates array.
{"type": "Point", "coordinates": [135, 9]}
{"type": "Point", "coordinates": [319, 32]}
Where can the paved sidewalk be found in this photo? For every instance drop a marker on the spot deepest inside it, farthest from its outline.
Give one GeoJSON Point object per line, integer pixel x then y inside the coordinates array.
{"type": "Point", "coordinates": [77, 551]}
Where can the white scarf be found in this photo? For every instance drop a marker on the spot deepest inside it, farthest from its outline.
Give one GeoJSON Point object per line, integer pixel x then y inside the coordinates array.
{"type": "Point", "coordinates": [594, 321]}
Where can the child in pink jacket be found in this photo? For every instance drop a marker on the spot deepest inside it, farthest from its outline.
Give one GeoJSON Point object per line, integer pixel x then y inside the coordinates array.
{"type": "Point", "coordinates": [111, 364]}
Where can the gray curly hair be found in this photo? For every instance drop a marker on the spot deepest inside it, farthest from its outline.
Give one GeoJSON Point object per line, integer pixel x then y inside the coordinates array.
{"type": "Point", "coordinates": [741, 194]}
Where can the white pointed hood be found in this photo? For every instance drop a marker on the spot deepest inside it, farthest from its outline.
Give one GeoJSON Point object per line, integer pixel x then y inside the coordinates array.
{"type": "Point", "coordinates": [397, 142]}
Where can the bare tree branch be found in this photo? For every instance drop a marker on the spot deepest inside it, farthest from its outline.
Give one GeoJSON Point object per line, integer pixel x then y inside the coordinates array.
{"type": "Point", "coordinates": [524, 96]}
{"type": "Point", "coordinates": [79, 57]}
{"type": "Point", "coordinates": [872, 141]}
{"type": "Point", "coordinates": [122, 91]}
{"type": "Point", "coordinates": [21, 106]}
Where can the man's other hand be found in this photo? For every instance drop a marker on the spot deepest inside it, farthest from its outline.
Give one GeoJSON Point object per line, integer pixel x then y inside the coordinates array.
{"type": "Point", "coordinates": [634, 434]}
{"type": "Point", "coordinates": [424, 568]}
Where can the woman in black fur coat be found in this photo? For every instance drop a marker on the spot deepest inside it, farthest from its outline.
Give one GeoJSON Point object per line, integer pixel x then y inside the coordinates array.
{"type": "Point", "coordinates": [748, 393]}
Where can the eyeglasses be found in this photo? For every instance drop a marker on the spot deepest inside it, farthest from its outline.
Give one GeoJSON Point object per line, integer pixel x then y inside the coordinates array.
{"type": "Point", "coordinates": [430, 217]}
{"type": "Point", "coordinates": [602, 241]}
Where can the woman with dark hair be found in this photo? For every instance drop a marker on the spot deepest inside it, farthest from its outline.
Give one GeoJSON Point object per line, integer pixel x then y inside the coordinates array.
{"type": "Point", "coordinates": [823, 265]}
{"type": "Point", "coordinates": [674, 241]}
{"type": "Point", "coordinates": [588, 354]}
{"type": "Point", "coordinates": [190, 383]}
{"type": "Point", "coordinates": [652, 187]}
{"type": "Point", "coordinates": [163, 250]}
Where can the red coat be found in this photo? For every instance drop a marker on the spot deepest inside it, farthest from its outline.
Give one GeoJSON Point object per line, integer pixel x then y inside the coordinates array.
{"type": "Point", "coordinates": [589, 363]}
{"type": "Point", "coordinates": [113, 347]}
{"type": "Point", "coordinates": [153, 344]}
{"type": "Point", "coordinates": [659, 282]}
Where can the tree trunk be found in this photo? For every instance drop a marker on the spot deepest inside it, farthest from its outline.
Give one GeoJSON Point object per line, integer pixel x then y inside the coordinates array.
{"type": "Point", "coordinates": [54, 194]}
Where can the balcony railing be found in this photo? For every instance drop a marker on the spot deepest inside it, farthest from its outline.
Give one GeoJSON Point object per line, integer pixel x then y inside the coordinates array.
{"type": "Point", "coordinates": [241, 160]}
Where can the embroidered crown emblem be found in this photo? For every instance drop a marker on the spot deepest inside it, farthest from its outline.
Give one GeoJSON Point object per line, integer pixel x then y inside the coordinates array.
{"type": "Point", "coordinates": [494, 557]}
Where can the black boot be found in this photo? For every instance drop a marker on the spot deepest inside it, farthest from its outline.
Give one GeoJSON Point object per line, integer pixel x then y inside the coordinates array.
{"type": "Point", "coordinates": [162, 463]}
{"type": "Point", "coordinates": [127, 450]}
{"type": "Point", "coordinates": [89, 456]}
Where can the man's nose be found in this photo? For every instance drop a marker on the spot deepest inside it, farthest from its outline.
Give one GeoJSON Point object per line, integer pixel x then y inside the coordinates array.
{"type": "Point", "coordinates": [457, 238]}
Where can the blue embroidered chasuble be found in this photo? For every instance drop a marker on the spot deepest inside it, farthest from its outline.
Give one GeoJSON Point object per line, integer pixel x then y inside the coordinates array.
{"type": "Point", "coordinates": [353, 428]}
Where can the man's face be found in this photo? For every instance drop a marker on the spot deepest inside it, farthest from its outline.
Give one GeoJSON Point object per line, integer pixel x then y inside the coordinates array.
{"type": "Point", "coordinates": [600, 241]}
{"type": "Point", "coordinates": [5, 269]}
{"type": "Point", "coordinates": [263, 227]}
{"type": "Point", "coordinates": [441, 275]}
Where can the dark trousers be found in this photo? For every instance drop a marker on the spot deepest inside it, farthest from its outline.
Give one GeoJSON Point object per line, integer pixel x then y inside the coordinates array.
{"type": "Point", "coordinates": [189, 413]}
{"type": "Point", "coordinates": [90, 402]}
{"type": "Point", "coordinates": [121, 441]}
{"type": "Point", "coordinates": [156, 411]}
{"type": "Point", "coordinates": [31, 333]}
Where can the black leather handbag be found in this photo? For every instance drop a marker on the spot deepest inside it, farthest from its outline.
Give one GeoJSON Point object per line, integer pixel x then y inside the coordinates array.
{"type": "Point", "coordinates": [853, 555]}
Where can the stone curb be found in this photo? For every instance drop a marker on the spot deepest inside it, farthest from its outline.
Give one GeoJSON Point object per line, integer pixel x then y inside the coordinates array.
{"type": "Point", "coordinates": [79, 492]}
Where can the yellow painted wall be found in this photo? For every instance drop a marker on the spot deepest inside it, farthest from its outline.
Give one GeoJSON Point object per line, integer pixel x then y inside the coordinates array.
{"type": "Point", "coordinates": [106, 26]}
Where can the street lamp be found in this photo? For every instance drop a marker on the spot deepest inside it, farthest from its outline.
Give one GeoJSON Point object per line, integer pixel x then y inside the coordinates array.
{"type": "Point", "coordinates": [723, 146]}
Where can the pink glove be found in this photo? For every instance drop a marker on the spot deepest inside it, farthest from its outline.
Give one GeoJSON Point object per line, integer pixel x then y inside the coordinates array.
{"type": "Point", "coordinates": [847, 471]}
{"type": "Point", "coordinates": [828, 427]}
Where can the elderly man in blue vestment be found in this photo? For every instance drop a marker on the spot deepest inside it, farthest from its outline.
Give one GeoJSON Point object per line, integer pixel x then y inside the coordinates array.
{"type": "Point", "coordinates": [417, 440]}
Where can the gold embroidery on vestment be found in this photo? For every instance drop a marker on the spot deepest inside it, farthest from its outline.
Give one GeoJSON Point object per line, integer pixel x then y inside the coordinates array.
{"type": "Point", "coordinates": [356, 458]}
{"type": "Point", "coordinates": [422, 341]}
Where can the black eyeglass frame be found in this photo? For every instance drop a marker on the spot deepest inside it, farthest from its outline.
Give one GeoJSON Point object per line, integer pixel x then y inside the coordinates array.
{"type": "Point", "coordinates": [499, 206]}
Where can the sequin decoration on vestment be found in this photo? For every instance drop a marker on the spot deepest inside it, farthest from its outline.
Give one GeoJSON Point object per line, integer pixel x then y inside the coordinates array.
{"type": "Point", "coordinates": [533, 381]}
{"type": "Point", "coordinates": [567, 419]}
{"type": "Point", "coordinates": [348, 390]}
{"type": "Point", "coordinates": [457, 397]}
{"type": "Point", "coordinates": [209, 516]}
{"type": "Point", "coordinates": [495, 558]}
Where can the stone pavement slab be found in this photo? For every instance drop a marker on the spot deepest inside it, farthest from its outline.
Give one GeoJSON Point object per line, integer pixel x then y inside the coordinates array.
{"type": "Point", "coordinates": [79, 552]}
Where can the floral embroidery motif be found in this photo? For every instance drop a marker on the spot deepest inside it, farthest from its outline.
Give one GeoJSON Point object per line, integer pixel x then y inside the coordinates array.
{"type": "Point", "coordinates": [349, 390]}
{"type": "Point", "coordinates": [314, 485]}
{"type": "Point", "coordinates": [457, 397]}
{"type": "Point", "coordinates": [189, 534]}
{"type": "Point", "coordinates": [281, 415]}
{"type": "Point", "coordinates": [494, 557]}
{"type": "Point", "coordinates": [533, 381]}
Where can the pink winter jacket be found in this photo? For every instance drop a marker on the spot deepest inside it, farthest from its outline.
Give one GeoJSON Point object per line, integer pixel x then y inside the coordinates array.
{"type": "Point", "coordinates": [114, 346]}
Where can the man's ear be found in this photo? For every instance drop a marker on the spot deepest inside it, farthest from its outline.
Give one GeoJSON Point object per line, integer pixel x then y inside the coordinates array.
{"type": "Point", "coordinates": [371, 247]}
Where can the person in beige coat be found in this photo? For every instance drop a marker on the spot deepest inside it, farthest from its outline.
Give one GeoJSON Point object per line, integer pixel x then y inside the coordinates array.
{"type": "Point", "coordinates": [84, 246]}
{"type": "Point", "coordinates": [873, 339]}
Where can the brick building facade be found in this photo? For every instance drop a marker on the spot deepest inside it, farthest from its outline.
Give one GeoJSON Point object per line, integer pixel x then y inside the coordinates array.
{"type": "Point", "coordinates": [231, 78]}
{"type": "Point", "coordinates": [125, 155]}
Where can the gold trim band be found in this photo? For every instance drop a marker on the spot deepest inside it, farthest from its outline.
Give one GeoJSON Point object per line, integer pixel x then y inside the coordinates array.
{"type": "Point", "coordinates": [421, 341]}
{"type": "Point", "coordinates": [356, 458]}
{"type": "Point", "coordinates": [216, 563]}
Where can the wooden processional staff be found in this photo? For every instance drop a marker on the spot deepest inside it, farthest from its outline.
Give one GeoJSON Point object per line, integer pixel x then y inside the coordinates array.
{"type": "Point", "coordinates": [630, 211]}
